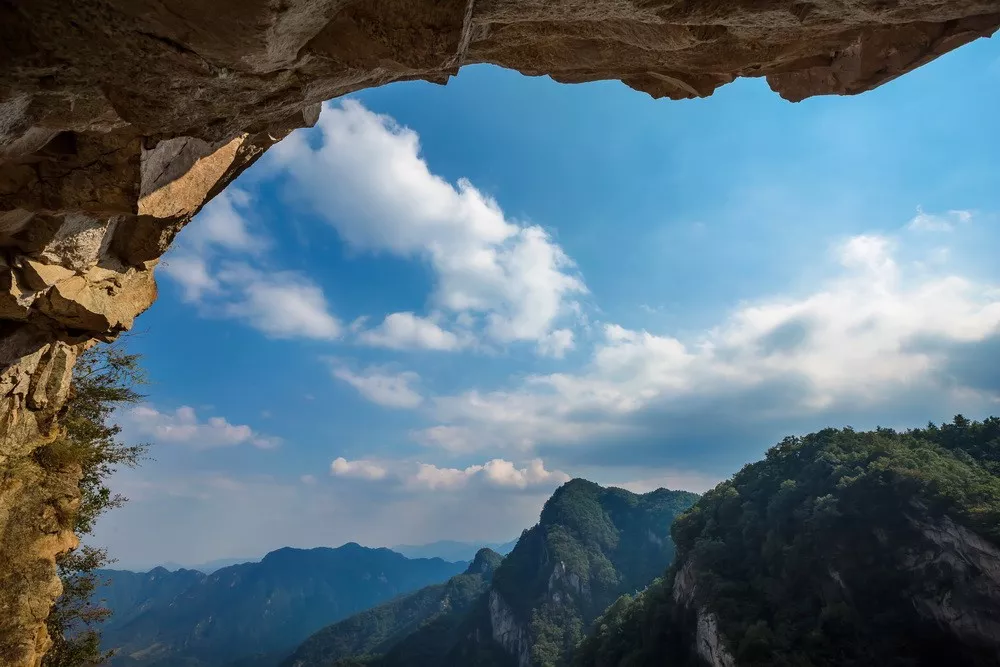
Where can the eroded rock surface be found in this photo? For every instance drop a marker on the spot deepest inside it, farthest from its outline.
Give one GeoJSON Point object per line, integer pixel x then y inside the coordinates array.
{"type": "Point", "coordinates": [708, 642]}
{"type": "Point", "coordinates": [119, 120]}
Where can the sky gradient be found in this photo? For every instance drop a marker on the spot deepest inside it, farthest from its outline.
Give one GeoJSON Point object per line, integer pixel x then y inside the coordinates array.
{"type": "Point", "coordinates": [414, 320]}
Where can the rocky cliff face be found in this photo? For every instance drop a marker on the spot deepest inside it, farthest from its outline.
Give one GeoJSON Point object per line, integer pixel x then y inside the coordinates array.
{"type": "Point", "coordinates": [839, 548]}
{"type": "Point", "coordinates": [507, 631]}
{"type": "Point", "coordinates": [968, 607]}
{"type": "Point", "coordinates": [707, 642]}
{"type": "Point", "coordinates": [965, 607]}
{"type": "Point", "coordinates": [119, 120]}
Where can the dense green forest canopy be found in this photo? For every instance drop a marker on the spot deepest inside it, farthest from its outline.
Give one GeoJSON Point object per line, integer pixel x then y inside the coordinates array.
{"type": "Point", "coordinates": [819, 555]}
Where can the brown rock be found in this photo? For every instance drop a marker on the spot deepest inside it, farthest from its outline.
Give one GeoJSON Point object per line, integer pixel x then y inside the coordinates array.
{"type": "Point", "coordinates": [38, 276]}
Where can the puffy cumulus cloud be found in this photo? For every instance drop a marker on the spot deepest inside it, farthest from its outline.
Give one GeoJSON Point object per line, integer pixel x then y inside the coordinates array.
{"type": "Point", "coordinates": [496, 472]}
{"type": "Point", "coordinates": [393, 390]}
{"type": "Point", "coordinates": [556, 343]}
{"type": "Point", "coordinates": [943, 222]}
{"type": "Point", "coordinates": [366, 177]}
{"type": "Point", "coordinates": [341, 467]}
{"type": "Point", "coordinates": [407, 331]}
{"type": "Point", "coordinates": [872, 335]}
{"type": "Point", "coordinates": [183, 426]}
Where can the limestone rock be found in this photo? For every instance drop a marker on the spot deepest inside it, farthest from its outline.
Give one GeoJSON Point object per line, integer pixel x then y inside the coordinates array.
{"type": "Point", "coordinates": [709, 644]}
{"type": "Point", "coordinates": [968, 608]}
{"type": "Point", "coordinates": [507, 631]}
{"type": "Point", "coordinates": [120, 120]}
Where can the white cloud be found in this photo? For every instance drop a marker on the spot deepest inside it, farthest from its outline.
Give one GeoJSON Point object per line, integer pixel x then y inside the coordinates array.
{"type": "Point", "coordinates": [308, 479]}
{"type": "Point", "coordinates": [855, 340]}
{"type": "Point", "coordinates": [495, 473]}
{"type": "Point", "coordinates": [945, 222]}
{"type": "Point", "coordinates": [455, 439]}
{"type": "Point", "coordinates": [280, 304]}
{"type": "Point", "coordinates": [392, 390]}
{"type": "Point", "coordinates": [370, 182]}
{"type": "Point", "coordinates": [556, 343]}
{"type": "Point", "coordinates": [407, 331]}
{"type": "Point", "coordinates": [183, 426]}
{"type": "Point", "coordinates": [221, 223]}
{"type": "Point", "coordinates": [361, 469]}
{"type": "Point", "coordinates": [498, 473]}
{"type": "Point", "coordinates": [192, 273]}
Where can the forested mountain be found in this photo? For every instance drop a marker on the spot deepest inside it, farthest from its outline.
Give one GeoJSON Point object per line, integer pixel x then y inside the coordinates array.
{"type": "Point", "coordinates": [840, 548]}
{"type": "Point", "coordinates": [437, 611]}
{"type": "Point", "coordinates": [255, 613]}
{"type": "Point", "coordinates": [129, 594]}
{"type": "Point", "coordinates": [591, 544]}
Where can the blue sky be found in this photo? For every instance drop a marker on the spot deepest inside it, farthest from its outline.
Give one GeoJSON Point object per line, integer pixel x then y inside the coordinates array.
{"type": "Point", "coordinates": [413, 321]}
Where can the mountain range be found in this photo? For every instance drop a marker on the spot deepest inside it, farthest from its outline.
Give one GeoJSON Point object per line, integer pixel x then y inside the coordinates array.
{"type": "Point", "coordinates": [839, 549]}
{"type": "Point", "coordinates": [407, 630]}
{"type": "Point", "coordinates": [252, 613]}
{"type": "Point", "coordinates": [591, 545]}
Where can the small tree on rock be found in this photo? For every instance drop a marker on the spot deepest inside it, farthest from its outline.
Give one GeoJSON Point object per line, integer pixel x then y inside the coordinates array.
{"type": "Point", "coordinates": [105, 379]}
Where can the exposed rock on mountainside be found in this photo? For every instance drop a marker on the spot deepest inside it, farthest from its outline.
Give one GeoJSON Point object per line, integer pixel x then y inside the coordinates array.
{"type": "Point", "coordinates": [590, 545]}
{"type": "Point", "coordinates": [839, 549]}
{"type": "Point", "coordinates": [254, 613]}
{"type": "Point", "coordinates": [119, 120]}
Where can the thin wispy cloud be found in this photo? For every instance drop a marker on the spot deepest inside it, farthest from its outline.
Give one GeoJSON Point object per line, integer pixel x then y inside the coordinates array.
{"type": "Point", "coordinates": [216, 265]}
{"type": "Point", "coordinates": [940, 222]}
{"type": "Point", "coordinates": [378, 385]}
{"type": "Point", "coordinates": [183, 426]}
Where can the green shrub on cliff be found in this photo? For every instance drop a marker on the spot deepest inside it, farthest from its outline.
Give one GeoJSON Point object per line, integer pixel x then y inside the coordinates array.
{"type": "Point", "coordinates": [105, 379]}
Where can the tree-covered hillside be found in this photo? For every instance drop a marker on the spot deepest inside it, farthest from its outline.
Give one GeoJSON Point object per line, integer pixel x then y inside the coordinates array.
{"type": "Point", "coordinates": [436, 611]}
{"type": "Point", "coordinates": [840, 548]}
{"type": "Point", "coordinates": [591, 544]}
